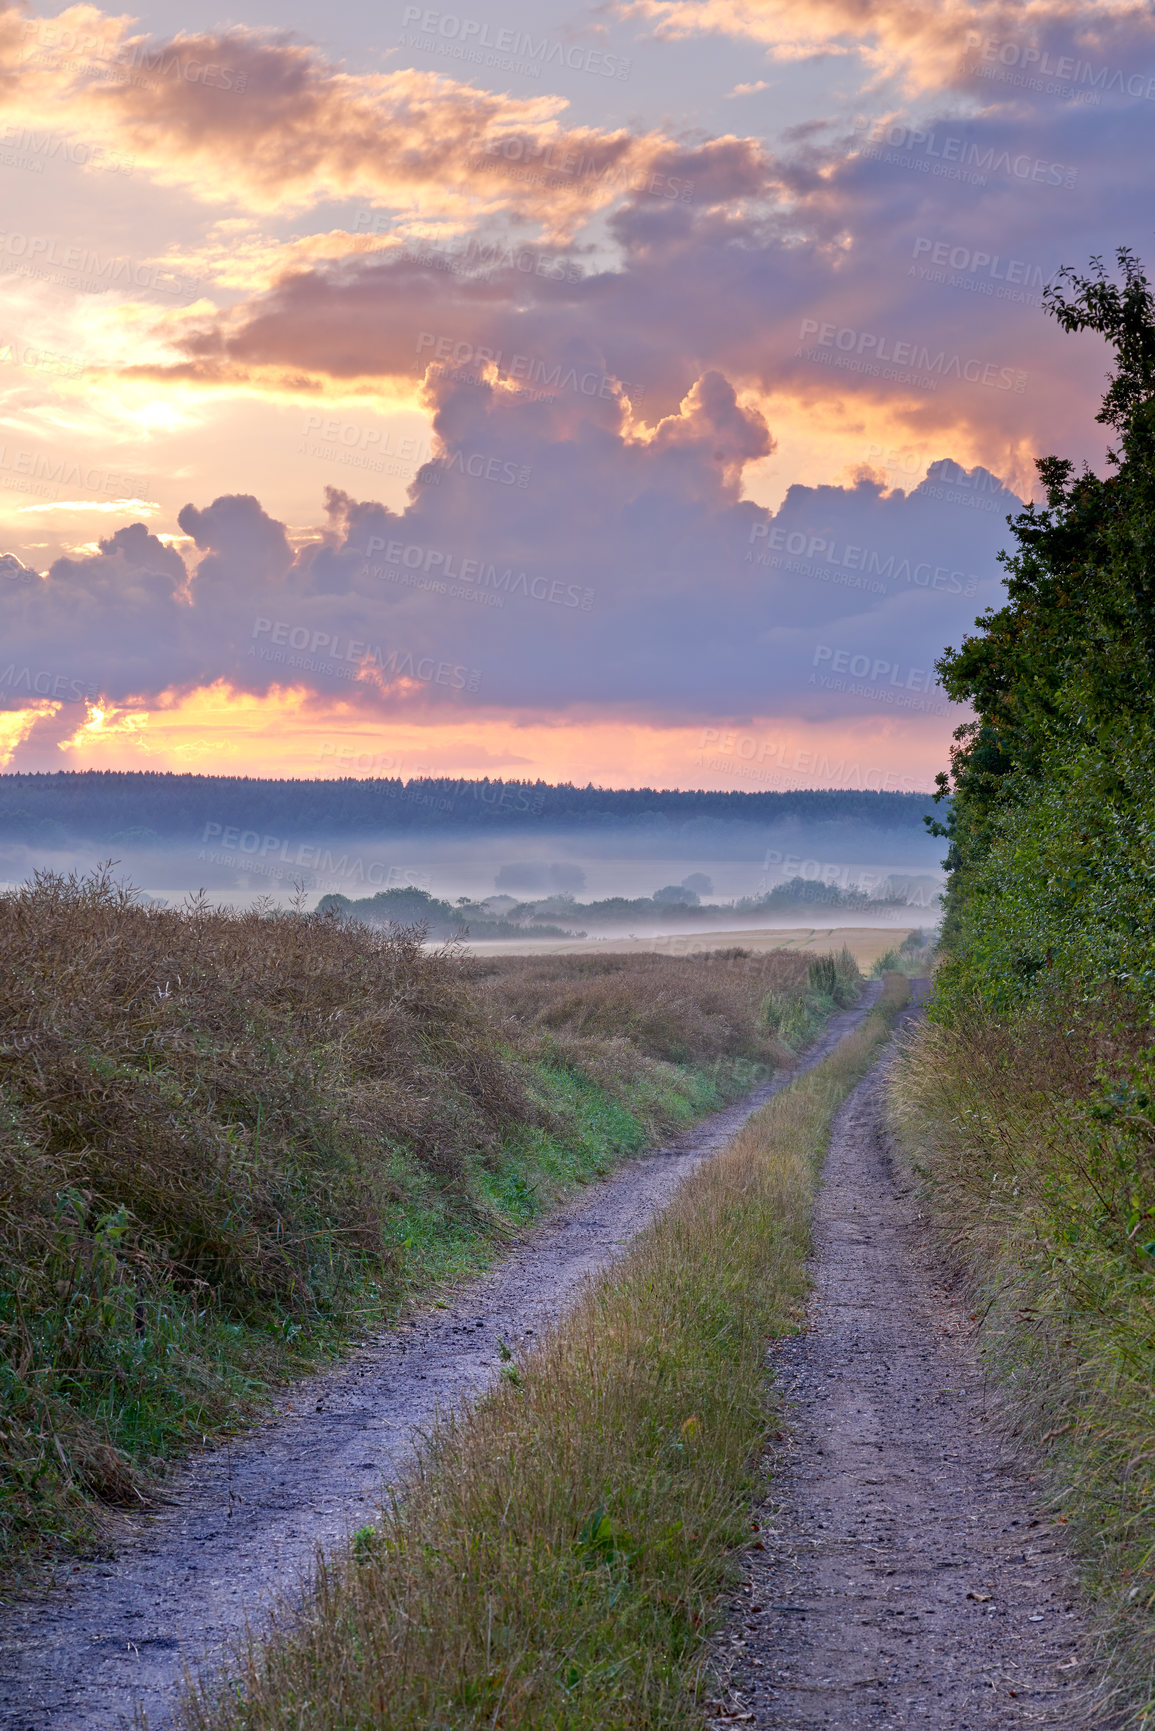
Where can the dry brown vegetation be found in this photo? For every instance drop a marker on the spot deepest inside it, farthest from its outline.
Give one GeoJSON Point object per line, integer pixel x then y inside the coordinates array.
{"type": "Point", "coordinates": [554, 1559]}
{"type": "Point", "coordinates": [685, 1009]}
{"type": "Point", "coordinates": [224, 1137]}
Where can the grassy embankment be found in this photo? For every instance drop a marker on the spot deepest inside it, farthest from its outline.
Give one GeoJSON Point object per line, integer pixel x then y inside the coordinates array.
{"type": "Point", "coordinates": [554, 1558]}
{"type": "Point", "coordinates": [230, 1142]}
{"type": "Point", "coordinates": [1034, 1138]}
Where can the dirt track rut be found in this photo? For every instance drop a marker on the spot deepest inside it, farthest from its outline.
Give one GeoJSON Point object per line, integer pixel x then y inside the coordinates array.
{"type": "Point", "coordinates": [112, 1638]}
{"type": "Point", "coordinates": [910, 1576]}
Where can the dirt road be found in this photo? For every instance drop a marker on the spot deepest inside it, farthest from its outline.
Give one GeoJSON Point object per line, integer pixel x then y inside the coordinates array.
{"type": "Point", "coordinates": [246, 1520]}
{"type": "Point", "coordinates": [909, 1576]}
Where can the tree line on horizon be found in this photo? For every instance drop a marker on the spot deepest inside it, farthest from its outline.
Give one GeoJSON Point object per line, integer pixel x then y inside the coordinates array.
{"type": "Point", "coordinates": [145, 807]}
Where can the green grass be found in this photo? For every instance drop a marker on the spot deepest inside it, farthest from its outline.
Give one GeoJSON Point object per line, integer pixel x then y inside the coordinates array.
{"type": "Point", "coordinates": [554, 1558]}
{"type": "Point", "coordinates": [123, 1377]}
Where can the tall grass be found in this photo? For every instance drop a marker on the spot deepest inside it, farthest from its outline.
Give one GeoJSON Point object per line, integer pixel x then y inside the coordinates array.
{"type": "Point", "coordinates": [553, 1560]}
{"type": "Point", "coordinates": [227, 1140]}
{"type": "Point", "coordinates": [1035, 1140]}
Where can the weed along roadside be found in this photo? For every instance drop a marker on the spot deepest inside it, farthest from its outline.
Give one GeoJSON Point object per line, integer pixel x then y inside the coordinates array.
{"type": "Point", "coordinates": [554, 1556]}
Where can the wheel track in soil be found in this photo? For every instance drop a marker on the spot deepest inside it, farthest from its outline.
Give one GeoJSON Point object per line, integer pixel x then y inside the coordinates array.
{"type": "Point", "coordinates": [910, 1575]}
{"type": "Point", "coordinates": [112, 1639]}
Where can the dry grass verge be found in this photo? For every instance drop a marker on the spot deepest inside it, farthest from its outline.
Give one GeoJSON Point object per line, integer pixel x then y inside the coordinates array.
{"type": "Point", "coordinates": [728, 1009]}
{"type": "Point", "coordinates": [1035, 1141]}
{"type": "Point", "coordinates": [554, 1559]}
{"type": "Point", "coordinates": [229, 1139]}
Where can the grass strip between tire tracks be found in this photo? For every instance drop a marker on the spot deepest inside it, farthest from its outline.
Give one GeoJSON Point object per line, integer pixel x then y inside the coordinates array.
{"type": "Point", "coordinates": [554, 1558]}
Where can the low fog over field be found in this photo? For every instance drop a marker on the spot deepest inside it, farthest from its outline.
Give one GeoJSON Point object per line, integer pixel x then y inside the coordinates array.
{"type": "Point", "coordinates": [496, 857]}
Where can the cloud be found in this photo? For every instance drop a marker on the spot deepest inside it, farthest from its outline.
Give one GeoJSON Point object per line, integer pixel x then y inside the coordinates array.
{"type": "Point", "coordinates": [825, 233]}
{"type": "Point", "coordinates": [13, 570]}
{"type": "Point", "coordinates": [581, 541]}
{"type": "Point", "coordinates": [242, 545]}
{"type": "Point", "coordinates": [110, 622]}
{"type": "Point", "coordinates": [296, 130]}
{"type": "Point", "coordinates": [852, 246]}
{"type": "Point", "coordinates": [923, 46]}
{"type": "Point", "coordinates": [627, 576]}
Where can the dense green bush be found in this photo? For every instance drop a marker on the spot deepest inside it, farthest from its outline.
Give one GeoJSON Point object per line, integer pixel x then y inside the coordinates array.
{"type": "Point", "coordinates": [1029, 1110]}
{"type": "Point", "coordinates": [1052, 833]}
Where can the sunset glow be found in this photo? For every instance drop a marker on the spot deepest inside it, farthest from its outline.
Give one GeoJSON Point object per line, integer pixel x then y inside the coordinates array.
{"type": "Point", "coordinates": [540, 395]}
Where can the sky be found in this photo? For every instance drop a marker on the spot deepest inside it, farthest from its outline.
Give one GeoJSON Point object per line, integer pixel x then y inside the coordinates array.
{"type": "Point", "coordinates": [632, 393]}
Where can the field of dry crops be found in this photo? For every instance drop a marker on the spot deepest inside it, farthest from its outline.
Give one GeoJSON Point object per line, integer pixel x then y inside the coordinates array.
{"type": "Point", "coordinates": [228, 1138]}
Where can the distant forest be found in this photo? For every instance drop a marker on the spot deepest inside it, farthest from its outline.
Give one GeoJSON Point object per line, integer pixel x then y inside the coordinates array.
{"type": "Point", "coordinates": [151, 808]}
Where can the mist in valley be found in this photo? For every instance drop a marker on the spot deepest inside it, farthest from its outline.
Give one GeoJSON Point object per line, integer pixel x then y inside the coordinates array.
{"type": "Point", "coordinates": [830, 873]}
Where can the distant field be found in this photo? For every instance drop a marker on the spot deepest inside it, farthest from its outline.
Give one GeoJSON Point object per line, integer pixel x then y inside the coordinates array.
{"type": "Point", "coordinates": [865, 943]}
